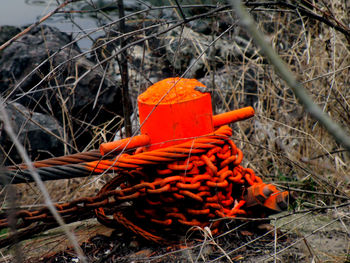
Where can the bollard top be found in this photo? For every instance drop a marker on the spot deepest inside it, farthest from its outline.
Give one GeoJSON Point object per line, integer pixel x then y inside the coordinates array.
{"type": "Point", "coordinates": [184, 112]}
{"type": "Point", "coordinates": [176, 90]}
{"type": "Point", "coordinates": [174, 110]}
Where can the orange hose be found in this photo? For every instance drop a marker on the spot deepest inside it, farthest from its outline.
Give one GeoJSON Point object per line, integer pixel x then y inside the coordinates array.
{"type": "Point", "coordinates": [233, 116]}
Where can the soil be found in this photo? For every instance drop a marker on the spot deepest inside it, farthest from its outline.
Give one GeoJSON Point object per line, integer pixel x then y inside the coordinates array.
{"type": "Point", "coordinates": [299, 238]}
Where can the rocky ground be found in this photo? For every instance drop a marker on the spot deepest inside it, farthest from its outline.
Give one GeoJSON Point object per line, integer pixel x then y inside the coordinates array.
{"type": "Point", "coordinates": [298, 238]}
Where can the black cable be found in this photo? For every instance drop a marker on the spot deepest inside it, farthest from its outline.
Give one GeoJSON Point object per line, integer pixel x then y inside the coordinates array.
{"type": "Point", "coordinates": [47, 173]}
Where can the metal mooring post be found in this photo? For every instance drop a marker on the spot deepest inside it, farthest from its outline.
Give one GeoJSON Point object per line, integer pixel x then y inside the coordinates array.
{"type": "Point", "coordinates": [172, 111]}
{"type": "Point", "coordinates": [176, 110]}
{"type": "Point", "coordinates": [183, 170]}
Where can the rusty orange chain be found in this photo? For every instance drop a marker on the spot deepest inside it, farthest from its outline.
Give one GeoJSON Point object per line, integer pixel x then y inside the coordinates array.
{"type": "Point", "coordinates": [84, 206]}
{"type": "Point", "coordinates": [170, 190]}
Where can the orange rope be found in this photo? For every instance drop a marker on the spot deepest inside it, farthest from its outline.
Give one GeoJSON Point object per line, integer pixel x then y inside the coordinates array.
{"type": "Point", "coordinates": [172, 153]}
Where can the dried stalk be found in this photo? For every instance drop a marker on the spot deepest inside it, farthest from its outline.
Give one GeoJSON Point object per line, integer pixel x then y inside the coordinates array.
{"type": "Point", "coordinates": [25, 31]}
{"type": "Point", "coordinates": [123, 65]}
{"type": "Point", "coordinates": [282, 69]}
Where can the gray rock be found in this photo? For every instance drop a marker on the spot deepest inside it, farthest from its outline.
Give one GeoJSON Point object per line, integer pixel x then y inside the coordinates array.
{"type": "Point", "coordinates": [21, 57]}
{"type": "Point", "coordinates": [7, 32]}
{"type": "Point", "coordinates": [232, 85]}
{"type": "Point", "coordinates": [56, 95]}
{"type": "Point", "coordinates": [37, 132]}
{"type": "Point", "coordinates": [184, 45]}
{"type": "Point", "coordinates": [147, 62]}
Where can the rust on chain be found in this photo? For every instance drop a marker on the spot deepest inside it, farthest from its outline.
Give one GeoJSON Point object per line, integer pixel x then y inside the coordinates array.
{"type": "Point", "coordinates": [170, 190]}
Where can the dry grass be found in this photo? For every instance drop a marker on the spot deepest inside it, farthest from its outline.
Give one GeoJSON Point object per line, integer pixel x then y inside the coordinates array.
{"type": "Point", "coordinates": [282, 143]}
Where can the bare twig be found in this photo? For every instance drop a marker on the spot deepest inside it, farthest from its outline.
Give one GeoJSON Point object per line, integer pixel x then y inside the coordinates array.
{"type": "Point", "coordinates": [324, 18]}
{"type": "Point", "coordinates": [124, 71]}
{"type": "Point", "coordinates": [181, 10]}
{"type": "Point", "coordinates": [25, 31]}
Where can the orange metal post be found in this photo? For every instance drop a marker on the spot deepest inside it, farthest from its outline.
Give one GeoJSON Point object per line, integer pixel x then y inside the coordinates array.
{"type": "Point", "coordinates": [172, 111]}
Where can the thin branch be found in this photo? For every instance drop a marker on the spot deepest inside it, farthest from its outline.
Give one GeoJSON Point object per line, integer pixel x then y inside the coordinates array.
{"type": "Point", "coordinates": [322, 18]}
{"type": "Point", "coordinates": [123, 65]}
{"type": "Point", "coordinates": [181, 11]}
{"type": "Point", "coordinates": [25, 31]}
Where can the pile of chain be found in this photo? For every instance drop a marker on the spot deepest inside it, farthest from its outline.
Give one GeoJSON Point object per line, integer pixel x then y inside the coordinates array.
{"type": "Point", "coordinates": [170, 197]}
{"type": "Point", "coordinates": [167, 190]}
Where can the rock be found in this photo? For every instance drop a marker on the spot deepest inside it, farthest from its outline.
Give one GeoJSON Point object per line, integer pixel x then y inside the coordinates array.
{"type": "Point", "coordinates": [7, 32]}
{"type": "Point", "coordinates": [37, 132]}
{"type": "Point", "coordinates": [147, 62]}
{"type": "Point", "coordinates": [20, 58]}
{"type": "Point", "coordinates": [56, 95]}
{"type": "Point", "coordinates": [233, 85]}
{"type": "Point", "coordinates": [184, 45]}
{"type": "Point", "coordinates": [150, 61]}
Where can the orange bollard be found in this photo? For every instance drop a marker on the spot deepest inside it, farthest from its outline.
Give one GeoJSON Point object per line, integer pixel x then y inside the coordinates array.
{"type": "Point", "coordinates": [183, 113]}
{"type": "Point", "coordinates": [172, 111]}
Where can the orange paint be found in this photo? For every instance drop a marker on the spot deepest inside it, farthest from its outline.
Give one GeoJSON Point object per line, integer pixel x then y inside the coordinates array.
{"type": "Point", "coordinates": [233, 116]}
{"type": "Point", "coordinates": [124, 144]}
{"type": "Point", "coordinates": [198, 212]}
{"type": "Point", "coordinates": [174, 90]}
{"type": "Point", "coordinates": [172, 111]}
